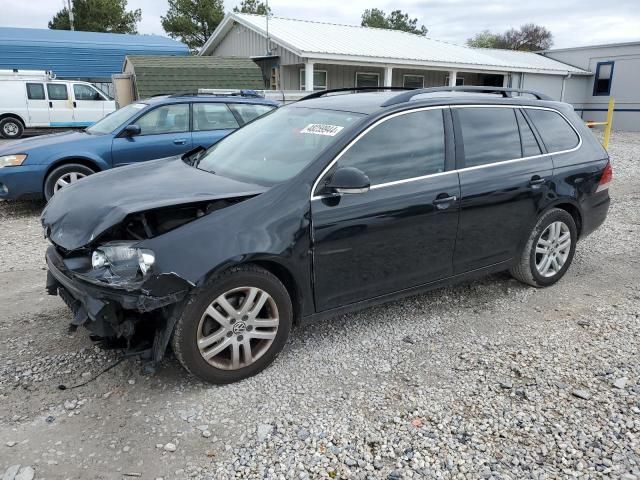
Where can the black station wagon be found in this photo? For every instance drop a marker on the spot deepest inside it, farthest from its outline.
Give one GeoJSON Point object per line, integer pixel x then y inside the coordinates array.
{"type": "Point", "coordinates": [331, 204]}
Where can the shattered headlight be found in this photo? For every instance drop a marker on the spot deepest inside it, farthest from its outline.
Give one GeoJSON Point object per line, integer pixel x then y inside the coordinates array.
{"type": "Point", "coordinates": [122, 260]}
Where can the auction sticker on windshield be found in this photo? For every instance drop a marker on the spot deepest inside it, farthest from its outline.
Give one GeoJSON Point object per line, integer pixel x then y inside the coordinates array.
{"type": "Point", "coordinates": [322, 129]}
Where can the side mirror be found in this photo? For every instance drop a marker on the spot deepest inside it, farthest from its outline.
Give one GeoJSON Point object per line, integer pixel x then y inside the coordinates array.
{"type": "Point", "coordinates": [131, 130]}
{"type": "Point", "coordinates": [348, 180]}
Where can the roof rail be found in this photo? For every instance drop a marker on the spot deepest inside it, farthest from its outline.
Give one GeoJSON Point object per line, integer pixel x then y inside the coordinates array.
{"type": "Point", "coordinates": [239, 93]}
{"type": "Point", "coordinates": [322, 93]}
{"type": "Point", "coordinates": [506, 93]}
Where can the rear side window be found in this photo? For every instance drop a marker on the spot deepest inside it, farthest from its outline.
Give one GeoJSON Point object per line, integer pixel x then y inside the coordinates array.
{"type": "Point", "coordinates": [489, 135]}
{"type": "Point", "coordinates": [530, 145]}
{"type": "Point", "coordinates": [57, 91]}
{"type": "Point", "coordinates": [250, 112]}
{"type": "Point", "coordinates": [403, 147]}
{"type": "Point", "coordinates": [556, 133]}
{"type": "Point", "coordinates": [35, 91]}
{"type": "Point", "coordinates": [212, 116]}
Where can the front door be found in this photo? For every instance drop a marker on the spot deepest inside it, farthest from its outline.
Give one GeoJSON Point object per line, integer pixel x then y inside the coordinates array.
{"type": "Point", "coordinates": [399, 234]}
{"type": "Point", "coordinates": [503, 181]}
{"type": "Point", "coordinates": [60, 105]}
{"type": "Point", "coordinates": [164, 132]}
{"type": "Point", "coordinates": [88, 104]}
{"type": "Point", "coordinates": [37, 105]}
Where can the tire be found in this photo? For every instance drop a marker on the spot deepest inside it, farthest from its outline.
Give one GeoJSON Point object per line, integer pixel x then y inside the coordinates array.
{"type": "Point", "coordinates": [530, 265]}
{"type": "Point", "coordinates": [197, 326]}
{"type": "Point", "coordinates": [11, 128]}
{"type": "Point", "coordinates": [59, 174]}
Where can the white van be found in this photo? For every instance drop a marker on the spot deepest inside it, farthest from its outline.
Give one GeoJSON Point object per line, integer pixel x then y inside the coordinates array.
{"type": "Point", "coordinates": [35, 99]}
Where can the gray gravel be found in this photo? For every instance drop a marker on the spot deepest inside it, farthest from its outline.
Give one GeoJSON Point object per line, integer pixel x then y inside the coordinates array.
{"type": "Point", "coordinates": [489, 379]}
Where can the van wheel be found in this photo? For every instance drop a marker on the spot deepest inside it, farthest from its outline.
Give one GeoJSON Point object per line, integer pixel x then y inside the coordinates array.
{"type": "Point", "coordinates": [235, 327]}
{"type": "Point", "coordinates": [549, 250]}
{"type": "Point", "coordinates": [64, 176]}
{"type": "Point", "coordinates": [11, 128]}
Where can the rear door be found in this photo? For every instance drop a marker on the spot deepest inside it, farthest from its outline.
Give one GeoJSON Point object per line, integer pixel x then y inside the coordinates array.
{"type": "Point", "coordinates": [37, 105]}
{"type": "Point", "coordinates": [60, 105]}
{"type": "Point", "coordinates": [211, 122]}
{"type": "Point", "coordinates": [88, 104]}
{"type": "Point", "coordinates": [399, 234]}
{"type": "Point", "coordinates": [504, 178]}
{"type": "Point", "coordinates": [164, 132]}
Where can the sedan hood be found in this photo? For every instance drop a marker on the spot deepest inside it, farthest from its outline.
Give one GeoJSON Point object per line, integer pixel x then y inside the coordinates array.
{"type": "Point", "coordinates": [78, 214]}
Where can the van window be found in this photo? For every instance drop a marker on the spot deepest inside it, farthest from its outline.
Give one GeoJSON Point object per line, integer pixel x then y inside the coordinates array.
{"type": "Point", "coordinates": [35, 91]}
{"type": "Point", "coordinates": [165, 119]}
{"type": "Point", "coordinates": [212, 116]}
{"type": "Point", "coordinates": [57, 91]}
{"type": "Point", "coordinates": [85, 92]}
{"type": "Point", "coordinates": [556, 133]}
{"type": "Point", "coordinates": [403, 147]}
{"type": "Point", "coordinates": [489, 135]}
{"type": "Point", "coordinates": [530, 145]}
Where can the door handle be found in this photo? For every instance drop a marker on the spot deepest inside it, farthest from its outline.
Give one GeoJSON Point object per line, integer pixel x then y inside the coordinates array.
{"type": "Point", "coordinates": [536, 180]}
{"type": "Point", "coordinates": [50, 104]}
{"type": "Point", "coordinates": [180, 141]}
{"type": "Point", "coordinates": [74, 104]}
{"type": "Point", "coordinates": [442, 202]}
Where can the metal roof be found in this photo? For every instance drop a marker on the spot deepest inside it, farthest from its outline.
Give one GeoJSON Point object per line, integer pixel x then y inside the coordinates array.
{"type": "Point", "coordinates": [328, 42]}
{"type": "Point", "coordinates": [74, 54]}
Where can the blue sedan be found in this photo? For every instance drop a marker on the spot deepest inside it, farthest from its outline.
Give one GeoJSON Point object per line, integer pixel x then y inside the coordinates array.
{"type": "Point", "coordinates": [156, 128]}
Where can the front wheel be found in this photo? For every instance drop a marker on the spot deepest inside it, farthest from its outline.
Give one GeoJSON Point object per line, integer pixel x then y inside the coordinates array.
{"type": "Point", "coordinates": [235, 327]}
{"type": "Point", "coordinates": [64, 176]}
{"type": "Point", "coordinates": [549, 250]}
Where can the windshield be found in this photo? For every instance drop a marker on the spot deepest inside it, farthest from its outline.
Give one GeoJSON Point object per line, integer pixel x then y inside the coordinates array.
{"type": "Point", "coordinates": [112, 121]}
{"type": "Point", "coordinates": [277, 146]}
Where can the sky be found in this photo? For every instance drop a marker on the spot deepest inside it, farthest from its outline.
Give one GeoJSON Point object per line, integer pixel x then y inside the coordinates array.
{"type": "Point", "coordinates": [572, 22]}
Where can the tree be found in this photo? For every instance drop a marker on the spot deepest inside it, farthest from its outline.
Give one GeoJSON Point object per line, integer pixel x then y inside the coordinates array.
{"type": "Point", "coordinates": [98, 16]}
{"type": "Point", "coordinates": [396, 20]}
{"type": "Point", "coordinates": [252, 6]}
{"type": "Point", "coordinates": [193, 21]}
{"type": "Point", "coordinates": [529, 37]}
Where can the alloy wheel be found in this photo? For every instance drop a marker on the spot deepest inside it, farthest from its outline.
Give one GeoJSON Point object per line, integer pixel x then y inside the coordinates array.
{"type": "Point", "coordinates": [237, 328]}
{"type": "Point", "coordinates": [67, 179]}
{"type": "Point", "coordinates": [553, 248]}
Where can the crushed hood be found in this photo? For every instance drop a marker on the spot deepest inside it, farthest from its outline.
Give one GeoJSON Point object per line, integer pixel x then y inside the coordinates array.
{"type": "Point", "coordinates": [77, 215]}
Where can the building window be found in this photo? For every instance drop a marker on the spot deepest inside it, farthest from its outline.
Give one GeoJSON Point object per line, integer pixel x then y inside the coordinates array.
{"type": "Point", "coordinates": [459, 81]}
{"type": "Point", "coordinates": [604, 76]}
{"type": "Point", "coordinates": [319, 80]}
{"type": "Point", "coordinates": [367, 79]}
{"type": "Point", "coordinates": [413, 81]}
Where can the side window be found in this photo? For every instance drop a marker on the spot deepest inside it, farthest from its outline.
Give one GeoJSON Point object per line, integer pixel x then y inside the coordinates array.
{"type": "Point", "coordinates": [530, 145]}
{"type": "Point", "coordinates": [489, 135]}
{"type": "Point", "coordinates": [35, 91]}
{"type": "Point", "coordinates": [165, 119]}
{"type": "Point", "coordinates": [57, 91]}
{"type": "Point", "coordinates": [85, 92]}
{"type": "Point", "coordinates": [212, 116]}
{"type": "Point", "coordinates": [406, 146]}
{"type": "Point", "coordinates": [250, 112]}
{"type": "Point", "coordinates": [603, 78]}
{"type": "Point", "coordinates": [556, 133]}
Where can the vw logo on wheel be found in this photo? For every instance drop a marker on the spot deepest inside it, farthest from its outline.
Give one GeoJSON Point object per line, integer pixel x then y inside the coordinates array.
{"type": "Point", "coordinates": [239, 327]}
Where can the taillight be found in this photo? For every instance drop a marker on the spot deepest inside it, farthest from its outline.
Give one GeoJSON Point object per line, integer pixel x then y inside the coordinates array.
{"type": "Point", "coordinates": [606, 178]}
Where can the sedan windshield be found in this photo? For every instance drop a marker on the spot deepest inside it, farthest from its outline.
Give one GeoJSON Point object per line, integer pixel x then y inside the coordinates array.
{"type": "Point", "coordinates": [277, 146]}
{"type": "Point", "coordinates": [112, 121]}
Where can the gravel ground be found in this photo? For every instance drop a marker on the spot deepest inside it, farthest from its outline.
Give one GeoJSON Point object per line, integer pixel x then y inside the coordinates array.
{"type": "Point", "coordinates": [489, 379]}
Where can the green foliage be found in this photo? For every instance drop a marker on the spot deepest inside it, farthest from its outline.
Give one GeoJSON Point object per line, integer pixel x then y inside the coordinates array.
{"type": "Point", "coordinates": [528, 37]}
{"type": "Point", "coordinates": [98, 16]}
{"type": "Point", "coordinates": [396, 20]}
{"type": "Point", "coordinates": [193, 21]}
{"type": "Point", "coordinates": [252, 6]}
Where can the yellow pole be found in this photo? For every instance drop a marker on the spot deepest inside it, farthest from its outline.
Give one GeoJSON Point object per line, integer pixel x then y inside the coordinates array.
{"type": "Point", "coordinates": [607, 129]}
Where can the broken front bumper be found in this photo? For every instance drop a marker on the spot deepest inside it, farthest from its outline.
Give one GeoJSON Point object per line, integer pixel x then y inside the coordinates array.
{"type": "Point", "coordinates": [109, 311]}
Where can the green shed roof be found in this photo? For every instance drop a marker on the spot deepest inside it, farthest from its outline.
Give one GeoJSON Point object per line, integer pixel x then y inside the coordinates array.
{"type": "Point", "coordinates": [156, 75]}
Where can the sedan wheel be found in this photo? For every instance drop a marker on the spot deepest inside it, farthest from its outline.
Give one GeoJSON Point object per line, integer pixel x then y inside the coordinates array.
{"type": "Point", "coordinates": [235, 327]}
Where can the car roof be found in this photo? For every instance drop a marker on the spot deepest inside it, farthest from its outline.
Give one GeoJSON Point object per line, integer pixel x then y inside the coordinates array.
{"type": "Point", "coordinates": [370, 102]}
{"type": "Point", "coordinates": [181, 98]}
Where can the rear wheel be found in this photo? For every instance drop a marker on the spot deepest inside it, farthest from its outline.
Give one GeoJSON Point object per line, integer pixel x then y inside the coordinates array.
{"type": "Point", "coordinates": [11, 127]}
{"type": "Point", "coordinates": [549, 250]}
{"type": "Point", "coordinates": [64, 176]}
{"type": "Point", "coordinates": [235, 327]}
